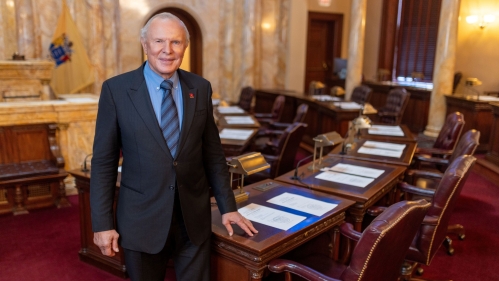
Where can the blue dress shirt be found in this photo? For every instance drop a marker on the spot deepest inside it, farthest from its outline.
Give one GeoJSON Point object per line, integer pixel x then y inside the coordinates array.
{"type": "Point", "coordinates": [153, 81]}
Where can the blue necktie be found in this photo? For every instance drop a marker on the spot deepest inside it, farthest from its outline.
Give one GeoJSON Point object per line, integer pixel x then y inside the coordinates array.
{"type": "Point", "coordinates": [169, 117]}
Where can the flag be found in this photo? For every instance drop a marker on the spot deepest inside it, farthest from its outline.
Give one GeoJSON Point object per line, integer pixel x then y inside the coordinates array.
{"type": "Point", "coordinates": [73, 70]}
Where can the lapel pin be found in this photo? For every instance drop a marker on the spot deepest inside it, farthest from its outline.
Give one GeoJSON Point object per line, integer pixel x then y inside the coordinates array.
{"type": "Point", "coordinates": [191, 95]}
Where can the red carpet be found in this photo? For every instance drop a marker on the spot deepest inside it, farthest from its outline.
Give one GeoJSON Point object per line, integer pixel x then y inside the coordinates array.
{"type": "Point", "coordinates": [44, 244]}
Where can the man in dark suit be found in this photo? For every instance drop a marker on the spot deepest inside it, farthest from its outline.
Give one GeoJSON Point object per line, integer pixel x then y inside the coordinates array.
{"type": "Point", "coordinates": [171, 156]}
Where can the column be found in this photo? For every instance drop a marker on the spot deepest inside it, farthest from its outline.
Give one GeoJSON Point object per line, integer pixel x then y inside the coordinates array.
{"type": "Point", "coordinates": [25, 34]}
{"type": "Point", "coordinates": [355, 46]}
{"type": "Point", "coordinates": [445, 59]}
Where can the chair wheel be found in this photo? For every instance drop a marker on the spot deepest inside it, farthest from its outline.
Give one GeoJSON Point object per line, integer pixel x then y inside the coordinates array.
{"type": "Point", "coordinates": [450, 251]}
{"type": "Point", "coordinates": [419, 271]}
{"type": "Point", "coordinates": [461, 237]}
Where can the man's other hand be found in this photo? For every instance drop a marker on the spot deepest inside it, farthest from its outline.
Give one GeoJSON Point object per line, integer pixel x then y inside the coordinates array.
{"type": "Point", "coordinates": [237, 218]}
{"type": "Point", "coordinates": [107, 241]}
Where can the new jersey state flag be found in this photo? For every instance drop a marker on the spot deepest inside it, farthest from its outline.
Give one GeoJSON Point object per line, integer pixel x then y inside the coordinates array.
{"type": "Point", "coordinates": [73, 70]}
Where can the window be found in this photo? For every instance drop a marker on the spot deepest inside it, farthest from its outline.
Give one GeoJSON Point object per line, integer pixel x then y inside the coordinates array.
{"type": "Point", "coordinates": [409, 38]}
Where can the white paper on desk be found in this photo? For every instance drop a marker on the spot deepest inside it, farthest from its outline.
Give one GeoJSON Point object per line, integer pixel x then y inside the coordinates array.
{"type": "Point", "coordinates": [302, 203]}
{"type": "Point", "coordinates": [235, 134]}
{"type": "Point", "coordinates": [381, 152]}
{"type": "Point", "coordinates": [386, 130]}
{"type": "Point", "coordinates": [239, 120]}
{"type": "Point", "coordinates": [355, 170]}
{"type": "Point", "coordinates": [230, 109]}
{"type": "Point", "coordinates": [271, 217]}
{"type": "Point", "coordinates": [384, 145]}
{"type": "Point", "coordinates": [344, 178]}
{"type": "Point", "coordinates": [348, 105]}
{"type": "Point", "coordinates": [325, 98]}
{"type": "Point", "coordinates": [215, 102]}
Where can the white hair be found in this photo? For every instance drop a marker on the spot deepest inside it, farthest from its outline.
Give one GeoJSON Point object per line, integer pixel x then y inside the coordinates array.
{"type": "Point", "coordinates": [164, 16]}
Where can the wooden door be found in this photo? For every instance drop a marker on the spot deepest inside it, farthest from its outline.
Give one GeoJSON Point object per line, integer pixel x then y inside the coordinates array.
{"type": "Point", "coordinates": [323, 45]}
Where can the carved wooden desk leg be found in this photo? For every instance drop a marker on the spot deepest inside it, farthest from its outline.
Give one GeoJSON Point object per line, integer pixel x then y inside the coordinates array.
{"type": "Point", "coordinates": [62, 201]}
{"type": "Point", "coordinates": [19, 197]}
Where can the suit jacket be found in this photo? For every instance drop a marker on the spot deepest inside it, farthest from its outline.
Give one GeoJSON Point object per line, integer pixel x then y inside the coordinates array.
{"type": "Point", "coordinates": [150, 174]}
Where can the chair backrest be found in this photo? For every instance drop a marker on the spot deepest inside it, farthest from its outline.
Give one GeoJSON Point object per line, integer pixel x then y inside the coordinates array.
{"type": "Point", "coordinates": [383, 245]}
{"type": "Point", "coordinates": [361, 94]}
{"type": "Point", "coordinates": [396, 102]}
{"type": "Point", "coordinates": [450, 132]}
{"type": "Point", "coordinates": [466, 145]}
{"type": "Point", "coordinates": [433, 230]}
{"type": "Point", "coordinates": [278, 108]}
{"type": "Point", "coordinates": [246, 98]}
{"type": "Point", "coordinates": [287, 147]}
{"type": "Point", "coordinates": [301, 112]}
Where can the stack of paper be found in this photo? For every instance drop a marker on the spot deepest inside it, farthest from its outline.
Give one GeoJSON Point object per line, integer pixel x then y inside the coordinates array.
{"type": "Point", "coordinates": [239, 120]}
{"type": "Point", "coordinates": [382, 148]}
{"type": "Point", "coordinates": [235, 134]}
{"type": "Point", "coordinates": [348, 105]}
{"type": "Point", "coordinates": [302, 203]}
{"type": "Point", "coordinates": [350, 174]}
{"type": "Point", "coordinates": [230, 109]}
{"type": "Point", "coordinates": [386, 130]}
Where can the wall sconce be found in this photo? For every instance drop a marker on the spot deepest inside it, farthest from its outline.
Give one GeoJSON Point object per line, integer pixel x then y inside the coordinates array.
{"type": "Point", "coordinates": [245, 165]}
{"type": "Point", "coordinates": [481, 20]}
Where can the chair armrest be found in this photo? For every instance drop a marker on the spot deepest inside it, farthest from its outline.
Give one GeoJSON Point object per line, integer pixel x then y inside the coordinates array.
{"type": "Point", "coordinates": [280, 265]}
{"type": "Point", "coordinates": [429, 220]}
{"type": "Point", "coordinates": [437, 151]}
{"type": "Point", "coordinates": [424, 174]}
{"type": "Point", "coordinates": [375, 211]}
{"type": "Point", "coordinates": [415, 189]}
{"type": "Point", "coordinates": [262, 115]}
{"type": "Point", "coordinates": [347, 230]}
{"type": "Point", "coordinates": [270, 158]}
{"type": "Point", "coordinates": [428, 159]}
{"type": "Point", "coordinates": [279, 125]}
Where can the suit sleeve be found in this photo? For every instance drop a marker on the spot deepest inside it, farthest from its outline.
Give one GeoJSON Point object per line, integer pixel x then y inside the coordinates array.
{"type": "Point", "coordinates": [215, 164]}
{"type": "Point", "coordinates": [105, 160]}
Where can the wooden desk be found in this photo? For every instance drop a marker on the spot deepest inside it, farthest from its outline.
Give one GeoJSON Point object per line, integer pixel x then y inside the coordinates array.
{"type": "Point", "coordinates": [222, 122]}
{"type": "Point", "coordinates": [477, 114]}
{"type": "Point", "coordinates": [89, 252]}
{"type": "Point", "coordinates": [234, 147]}
{"type": "Point", "coordinates": [322, 117]}
{"type": "Point", "coordinates": [364, 197]}
{"type": "Point", "coordinates": [407, 137]}
{"type": "Point", "coordinates": [404, 160]}
{"type": "Point", "coordinates": [241, 257]}
{"type": "Point", "coordinates": [493, 152]}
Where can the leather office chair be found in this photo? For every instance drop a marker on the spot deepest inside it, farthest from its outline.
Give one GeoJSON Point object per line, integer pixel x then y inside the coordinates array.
{"type": "Point", "coordinates": [394, 108]}
{"type": "Point", "coordinates": [379, 252]}
{"type": "Point", "coordinates": [361, 94]}
{"type": "Point", "coordinates": [433, 230]}
{"type": "Point", "coordinates": [447, 138]}
{"type": "Point", "coordinates": [276, 129]}
{"type": "Point", "coordinates": [274, 115]}
{"type": "Point", "coordinates": [428, 179]}
{"type": "Point", "coordinates": [281, 154]}
{"type": "Point", "coordinates": [246, 98]}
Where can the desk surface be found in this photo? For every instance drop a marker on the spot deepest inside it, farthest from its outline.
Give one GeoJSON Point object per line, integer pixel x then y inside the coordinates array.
{"type": "Point", "coordinates": [404, 160]}
{"type": "Point", "coordinates": [407, 137]}
{"type": "Point", "coordinates": [358, 194]}
{"type": "Point", "coordinates": [247, 257]}
{"type": "Point", "coordinates": [222, 122]}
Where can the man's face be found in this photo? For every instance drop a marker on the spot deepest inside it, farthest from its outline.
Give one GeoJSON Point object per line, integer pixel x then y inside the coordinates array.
{"type": "Point", "coordinates": [164, 45]}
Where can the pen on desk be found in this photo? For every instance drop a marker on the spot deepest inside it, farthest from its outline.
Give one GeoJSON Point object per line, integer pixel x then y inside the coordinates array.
{"type": "Point", "coordinates": [384, 148]}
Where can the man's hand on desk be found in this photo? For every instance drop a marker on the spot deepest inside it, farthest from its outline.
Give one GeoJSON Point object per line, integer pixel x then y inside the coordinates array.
{"type": "Point", "coordinates": [237, 218]}
{"type": "Point", "coordinates": [107, 241]}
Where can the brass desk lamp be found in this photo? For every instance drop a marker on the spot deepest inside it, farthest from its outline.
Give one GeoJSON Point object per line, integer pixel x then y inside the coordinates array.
{"type": "Point", "coordinates": [323, 140]}
{"type": "Point", "coordinates": [245, 165]}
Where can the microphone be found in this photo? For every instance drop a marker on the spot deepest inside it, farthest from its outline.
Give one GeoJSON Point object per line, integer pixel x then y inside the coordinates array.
{"type": "Point", "coordinates": [84, 165]}
{"type": "Point", "coordinates": [296, 177]}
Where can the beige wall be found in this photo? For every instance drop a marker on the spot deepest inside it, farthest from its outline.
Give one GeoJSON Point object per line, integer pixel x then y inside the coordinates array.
{"type": "Point", "coordinates": [478, 49]}
{"type": "Point", "coordinates": [371, 44]}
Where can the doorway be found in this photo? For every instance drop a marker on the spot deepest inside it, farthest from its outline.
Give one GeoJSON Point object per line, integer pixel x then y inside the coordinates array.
{"type": "Point", "coordinates": [323, 45]}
